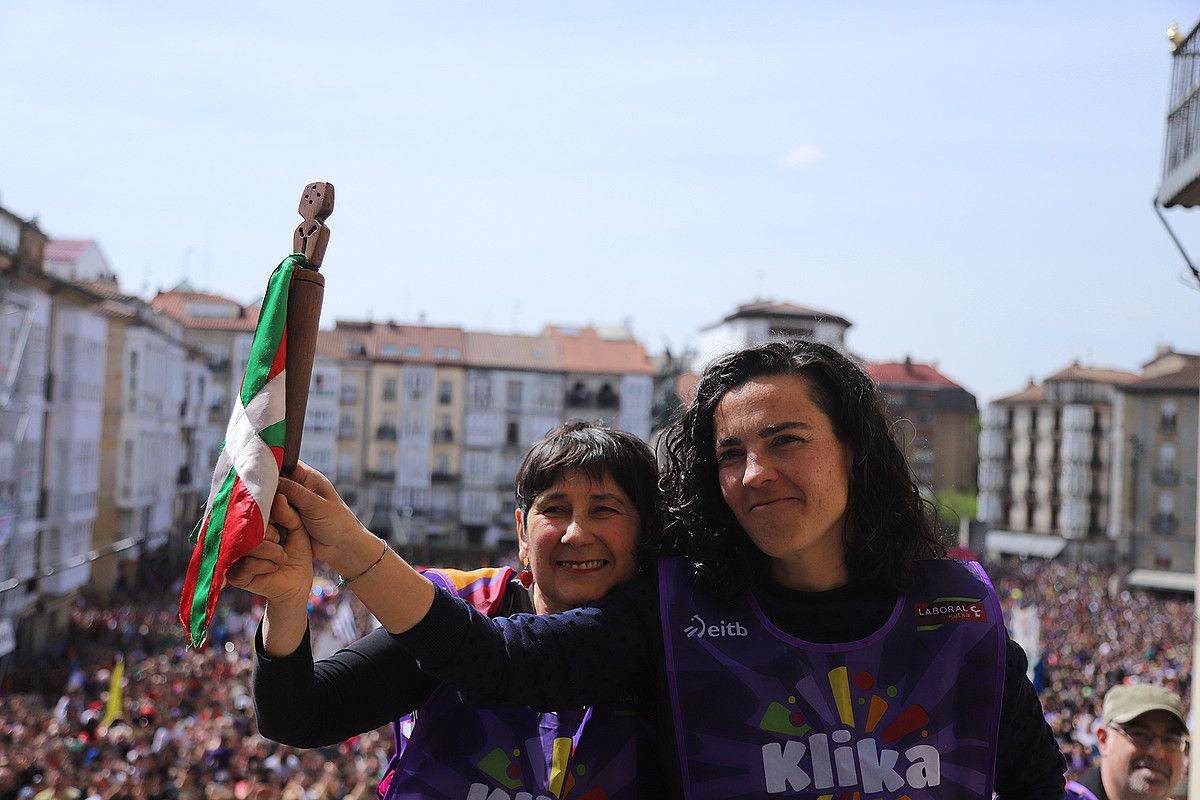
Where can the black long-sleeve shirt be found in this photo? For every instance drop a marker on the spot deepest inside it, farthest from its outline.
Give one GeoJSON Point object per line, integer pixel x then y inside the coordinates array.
{"type": "Point", "coordinates": [613, 650]}
{"type": "Point", "coordinates": [366, 684]}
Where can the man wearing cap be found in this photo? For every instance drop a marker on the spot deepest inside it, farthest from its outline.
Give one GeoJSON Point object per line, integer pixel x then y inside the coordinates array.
{"type": "Point", "coordinates": [1143, 744]}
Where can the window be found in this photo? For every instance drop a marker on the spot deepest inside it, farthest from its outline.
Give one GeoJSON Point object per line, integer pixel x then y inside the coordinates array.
{"type": "Point", "coordinates": [481, 393]}
{"type": "Point", "coordinates": [512, 394]}
{"type": "Point", "coordinates": [1168, 416]}
{"type": "Point", "coordinates": [445, 392]}
{"type": "Point", "coordinates": [413, 350]}
{"type": "Point", "coordinates": [443, 464]}
{"type": "Point", "coordinates": [389, 349]}
{"type": "Point", "coordinates": [133, 380]}
{"type": "Point", "coordinates": [1166, 457]}
{"type": "Point", "coordinates": [513, 434]}
{"type": "Point", "coordinates": [389, 389]}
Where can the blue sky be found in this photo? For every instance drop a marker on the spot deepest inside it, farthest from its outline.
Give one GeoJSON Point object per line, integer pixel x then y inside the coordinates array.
{"type": "Point", "coordinates": [968, 185]}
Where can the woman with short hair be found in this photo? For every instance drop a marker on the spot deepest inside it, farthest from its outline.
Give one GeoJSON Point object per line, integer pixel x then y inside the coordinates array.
{"type": "Point", "coordinates": [588, 516]}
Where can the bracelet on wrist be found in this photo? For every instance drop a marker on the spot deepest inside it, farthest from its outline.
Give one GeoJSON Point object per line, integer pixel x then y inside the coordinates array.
{"type": "Point", "coordinates": [347, 581]}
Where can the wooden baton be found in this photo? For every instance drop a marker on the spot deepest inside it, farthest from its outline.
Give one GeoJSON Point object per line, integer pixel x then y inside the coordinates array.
{"type": "Point", "coordinates": [304, 311]}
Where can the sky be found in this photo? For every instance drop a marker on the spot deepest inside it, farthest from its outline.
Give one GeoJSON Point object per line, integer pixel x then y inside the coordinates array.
{"type": "Point", "coordinates": [969, 184]}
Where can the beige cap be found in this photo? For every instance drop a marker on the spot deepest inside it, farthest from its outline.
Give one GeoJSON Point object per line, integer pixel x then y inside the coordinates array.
{"type": "Point", "coordinates": [1127, 702]}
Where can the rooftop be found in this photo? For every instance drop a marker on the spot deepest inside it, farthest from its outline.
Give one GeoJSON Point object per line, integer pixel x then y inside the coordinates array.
{"type": "Point", "coordinates": [908, 373]}
{"type": "Point", "coordinates": [1078, 372]}
{"type": "Point", "coordinates": [585, 350]}
{"type": "Point", "coordinates": [769, 308]}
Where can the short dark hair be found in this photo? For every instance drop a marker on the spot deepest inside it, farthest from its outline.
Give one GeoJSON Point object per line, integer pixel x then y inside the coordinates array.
{"type": "Point", "coordinates": [889, 525]}
{"type": "Point", "coordinates": [598, 451]}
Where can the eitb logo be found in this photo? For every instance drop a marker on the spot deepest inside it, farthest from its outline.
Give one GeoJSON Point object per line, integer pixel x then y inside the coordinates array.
{"type": "Point", "coordinates": [698, 629]}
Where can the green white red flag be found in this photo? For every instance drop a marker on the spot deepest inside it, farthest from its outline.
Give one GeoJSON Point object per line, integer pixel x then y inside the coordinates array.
{"type": "Point", "coordinates": [247, 472]}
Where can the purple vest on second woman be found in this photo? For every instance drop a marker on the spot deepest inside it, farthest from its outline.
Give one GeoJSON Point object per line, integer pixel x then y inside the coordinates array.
{"type": "Point", "coordinates": [912, 710]}
{"type": "Point", "coordinates": [1077, 791]}
{"type": "Point", "coordinates": [459, 752]}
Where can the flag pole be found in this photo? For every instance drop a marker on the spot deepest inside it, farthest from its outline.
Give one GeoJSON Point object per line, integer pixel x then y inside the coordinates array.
{"type": "Point", "coordinates": [304, 311]}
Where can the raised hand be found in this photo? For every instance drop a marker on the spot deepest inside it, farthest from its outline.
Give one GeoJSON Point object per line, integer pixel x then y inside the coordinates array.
{"type": "Point", "coordinates": [336, 534]}
{"type": "Point", "coordinates": [280, 572]}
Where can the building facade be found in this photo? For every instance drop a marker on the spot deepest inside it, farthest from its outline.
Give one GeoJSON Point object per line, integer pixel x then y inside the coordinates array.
{"type": "Point", "coordinates": [1152, 512]}
{"type": "Point", "coordinates": [765, 321]}
{"type": "Point", "coordinates": [934, 421]}
{"type": "Point", "coordinates": [1045, 458]}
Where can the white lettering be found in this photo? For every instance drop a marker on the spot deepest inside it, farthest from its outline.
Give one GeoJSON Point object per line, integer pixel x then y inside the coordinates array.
{"type": "Point", "coordinates": [877, 772]}
{"type": "Point", "coordinates": [479, 791]}
{"type": "Point", "coordinates": [924, 772]}
{"type": "Point", "coordinates": [847, 775]}
{"type": "Point", "coordinates": [860, 763]}
{"type": "Point", "coordinates": [822, 767]}
{"type": "Point", "coordinates": [781, 767]}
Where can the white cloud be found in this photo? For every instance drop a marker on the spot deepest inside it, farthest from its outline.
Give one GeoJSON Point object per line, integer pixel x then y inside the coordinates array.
{"type": "Point", "coordinates": [803, 155]}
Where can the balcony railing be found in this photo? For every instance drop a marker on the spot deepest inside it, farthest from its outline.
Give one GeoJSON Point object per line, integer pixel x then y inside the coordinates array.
{"type": "Point", "coordinates": [1165, 523]}
{"type": "Point", "coordinates": [1181, 154]}
{"type": "Point", "coordinates": [1166, 476]}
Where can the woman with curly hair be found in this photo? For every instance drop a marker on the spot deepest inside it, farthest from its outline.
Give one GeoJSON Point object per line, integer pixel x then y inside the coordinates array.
{"type": "Point", "coordinates": [806, 637]}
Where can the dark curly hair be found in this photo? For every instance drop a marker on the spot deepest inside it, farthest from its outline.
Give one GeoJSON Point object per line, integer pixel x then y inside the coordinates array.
{"type": "Point", "coordinates": [888, 524]}
{"type": "Point", "coordinates": [598, 451]}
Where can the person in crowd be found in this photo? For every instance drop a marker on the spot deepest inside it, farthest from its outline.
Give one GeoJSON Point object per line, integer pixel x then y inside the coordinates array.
{"type": "Point", "coordinates": [809, 636]}
{"type": "Point", "coordinates": [1143, 741]}
{"type": "Point", "coordinates": [587, 499]}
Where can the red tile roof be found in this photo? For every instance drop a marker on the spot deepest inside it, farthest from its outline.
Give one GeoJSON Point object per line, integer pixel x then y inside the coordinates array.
{"type": "Point", "coordinates": [67, 249]}
{"type": "Point", "coordinates": [388, 341]}
{"type": "Point", "coordinates": [514, 351]}
{"type": "Point", "coordinates": [1186, 379]}
{"type": "Point", "coordinates": [1032, 393]}
{"type": "Point", "coordinates": [908, 373]}
{"type": "Point", "coordinates": [174, 304]}
{"type": "Point", "coordinates": [584, 350]}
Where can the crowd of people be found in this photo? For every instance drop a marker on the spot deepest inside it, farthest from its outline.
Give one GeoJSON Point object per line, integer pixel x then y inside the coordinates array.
{"type": "Point", "coordinates": [1095, 635]}
{"type": "Point", "coordinates": [187, 729]}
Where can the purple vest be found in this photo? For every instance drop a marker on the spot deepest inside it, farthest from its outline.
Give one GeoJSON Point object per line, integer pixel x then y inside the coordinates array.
{"type": "Point", "coordinates": [1077, 791]}
{"type": "Point", "coordinates": [458, 752]}
{"type": "Point", "coordinates": [911, 710]}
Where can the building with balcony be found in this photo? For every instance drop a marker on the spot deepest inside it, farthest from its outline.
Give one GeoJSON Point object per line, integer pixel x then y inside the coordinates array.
{"type": "Point", "coordinates": [222, 330]}
{"type": "Point", "coordinates": [765, 321]}
{"type": "Point", "coordinates": [934, 422]}
{"type": "Point", "coordinates": [1180, 184]}
{"type": "Point", "coordinates": [1045, 464]}
{"type": "Point", "coordinates": [318, 447]}
{"type": "Point", "coordinates": [1152, 513]}
{"type": "Point", "coordinates": [147, 460]}
{"type": "Point", "coordinates": [515, 392]}
{"type": "Point", "coordinates": [609, 376]}
{"type": "Point", "coordinates": [25, 304]}
{"type": "Point", "coordinates": [399, 420]}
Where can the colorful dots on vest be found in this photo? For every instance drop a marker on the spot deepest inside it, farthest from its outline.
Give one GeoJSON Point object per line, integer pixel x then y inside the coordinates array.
{"type": "Point", "coordinates": [497, 766]}
{"type": "Point", "coordinates": [864, 681]}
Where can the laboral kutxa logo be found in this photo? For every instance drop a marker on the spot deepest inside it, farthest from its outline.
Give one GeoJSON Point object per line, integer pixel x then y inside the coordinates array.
{"type": "Point", "coordinates": [931, 616]}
